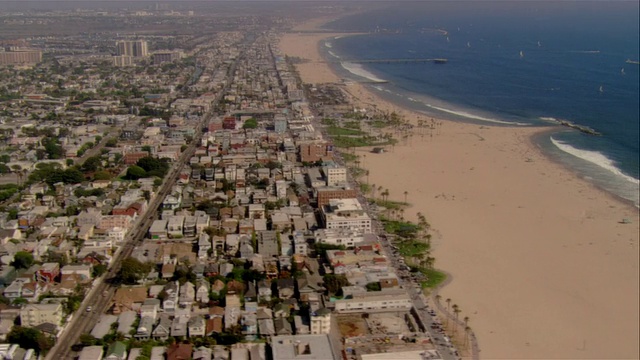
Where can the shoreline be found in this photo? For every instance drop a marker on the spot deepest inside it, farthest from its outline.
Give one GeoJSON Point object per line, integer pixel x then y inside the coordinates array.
{"type": "Point", "coordinates": [490, 186]}
{"type": "Point", "coordinates": [546, 128]}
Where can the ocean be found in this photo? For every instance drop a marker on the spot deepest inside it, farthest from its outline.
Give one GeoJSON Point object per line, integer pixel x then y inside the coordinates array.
{"type": "Point", "coordinates": [512, 64]}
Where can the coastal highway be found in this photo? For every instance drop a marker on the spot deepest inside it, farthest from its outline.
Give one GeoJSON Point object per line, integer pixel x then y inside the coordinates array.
{"type": "Point", "coordinates": [99, 297]}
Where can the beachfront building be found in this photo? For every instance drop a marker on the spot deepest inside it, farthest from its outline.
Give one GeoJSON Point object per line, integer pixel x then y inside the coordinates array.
{"type": "Point", "coordinates": [326, 193]}
{"type": "Point", "coordinates": [345, 237]}
{"type": "Point", "coordinates": [366, 301]}
{"type": "Point", "coordinates": [346, 214]}
{"type": "Point", "coordinates": [335, 175]}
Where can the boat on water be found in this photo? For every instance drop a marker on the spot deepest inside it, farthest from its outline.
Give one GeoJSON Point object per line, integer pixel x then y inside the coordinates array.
{"type": "Point", "coordinates": [601, 88]}
{"type": "Point", "coordinates": [635, 62]}
{"type": "Point", "coordinates": [521, 54]}
{"type": "Point", "coordinates": [440, 61]}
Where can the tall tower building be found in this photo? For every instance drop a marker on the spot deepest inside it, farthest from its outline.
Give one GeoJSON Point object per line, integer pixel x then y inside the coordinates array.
{"type": "Point", "coordinates": [137, 48]}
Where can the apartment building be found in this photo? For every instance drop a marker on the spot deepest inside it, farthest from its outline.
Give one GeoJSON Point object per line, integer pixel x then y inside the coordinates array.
{"type": "Point", "coordinates": [346, 214]}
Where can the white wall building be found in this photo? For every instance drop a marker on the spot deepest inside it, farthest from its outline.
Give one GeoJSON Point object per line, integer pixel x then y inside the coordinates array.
{"type": "Point", "coordinates": [386, 300]}
{"type": "Point", "coordinates": [321, 321]}
{"type": "Point", "coordinates": [346, 214]}
{"type": "Point", "coordinates": [345, 237]}
{"type": "Point", "coordinates": [32, 315]}
{"type": "Point", "coordinates": [335, 175]}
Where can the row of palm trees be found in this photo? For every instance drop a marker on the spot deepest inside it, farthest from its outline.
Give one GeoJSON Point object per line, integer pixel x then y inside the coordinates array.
{"type": "Point", "coordinates": [457, 323]}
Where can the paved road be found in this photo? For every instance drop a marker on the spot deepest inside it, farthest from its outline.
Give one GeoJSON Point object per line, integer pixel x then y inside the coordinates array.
{"type": "Point", "coordinates": [99, 298]}
{"type": "Point", "coordinates": [95, 150]}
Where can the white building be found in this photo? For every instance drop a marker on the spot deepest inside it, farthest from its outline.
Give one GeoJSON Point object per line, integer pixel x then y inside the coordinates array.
{"type": "Point", "coordinates": [386, 300]}
{"type": "Point", "coordinates": [346, 214]}
{"type": "Point", "coordinates": [335, 175]}
{"type": "Point", "coordinates": [32, 315]}
{"type": "Point", "coordinates": [345, 237]}
{"type": "Point", "coordinates": [321, 321]}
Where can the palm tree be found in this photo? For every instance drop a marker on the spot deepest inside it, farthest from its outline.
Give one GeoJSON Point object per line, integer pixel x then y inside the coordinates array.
{"type": "Point", "coordinates": [405, 196]}
{"type": "Point", "coordinates": [429, 261]}
{"type": "Point", "coordinates": [448, 301]}
{"type": "Point", "coordinates": [402, 214]}
{"type": "Point", "coordinates": [467, 330]}
{"type": "Point", "coordinates": [385, 194]}
{"type": "Point", "coordinates": [456, 311]}
{"type": "Point", "coordinates": [373, 190]}
{"type": "Point", "coordinates": [438, 297]}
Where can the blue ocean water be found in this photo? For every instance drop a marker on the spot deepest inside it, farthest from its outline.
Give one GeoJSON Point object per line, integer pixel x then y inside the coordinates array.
{"type": "Point", "coordinates": [514, 63]}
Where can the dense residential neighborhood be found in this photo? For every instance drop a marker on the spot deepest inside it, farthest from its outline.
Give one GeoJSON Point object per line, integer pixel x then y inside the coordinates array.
{"type": "Point", "coordinates": [199, 187]}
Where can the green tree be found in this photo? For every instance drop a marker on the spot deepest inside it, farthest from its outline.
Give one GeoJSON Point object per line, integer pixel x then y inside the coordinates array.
{"type": "Point", "coordinates": [250, 124]}
{"type": "Point", "coordinates": [53, 149]}
{"type": "Point", "coordinates": [135, 172]}
{"type": "Point", "coordinates": [91, 164]}
{"type": "Point", "coordinates": [132, 270]}
{"type": "Point", "coordinates": [22, 260]}
{"type": "Point", "coordinates": [88, 340]}
{"type": "Point", "coordinates": [102, 175]}
{"type": "Point", "coordinates": [98, 270]}
{"type": "Point", "coordinates": [334, 283]}
{"type": "Point", "coordinates": [153, 166]}
{"type": "Point", "coordinates": [30, 338]}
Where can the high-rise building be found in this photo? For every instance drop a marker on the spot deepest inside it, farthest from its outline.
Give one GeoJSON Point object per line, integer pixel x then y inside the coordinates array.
{"type": "Point", "coordinates": [20, 57]}
{"type": "Point", "coordinates": [136, 48]}
{"type": "Point", "coordinates": [123, 60]}
{"type": "Point", "coordinates": [165, 56]}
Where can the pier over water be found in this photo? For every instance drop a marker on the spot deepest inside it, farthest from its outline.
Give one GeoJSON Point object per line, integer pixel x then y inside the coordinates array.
{"type": "Point", "coordinates": [389, 61]}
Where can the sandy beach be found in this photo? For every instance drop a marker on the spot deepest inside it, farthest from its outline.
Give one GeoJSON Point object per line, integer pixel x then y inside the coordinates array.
{"type": "Point", "coordinates": [540, 261]}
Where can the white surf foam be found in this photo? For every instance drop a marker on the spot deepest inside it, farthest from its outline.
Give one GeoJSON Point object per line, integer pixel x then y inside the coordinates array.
{"type": "Point", "coordinates": [358, 70]}
{"type": "Point", "coordinates": [328, 44]}
{"type": "Point", "coordinates": [594, 157]}
{"type": "Point", "coordinates": [333, 54]}
{"type": "Point", "coordinates": [476, 117]}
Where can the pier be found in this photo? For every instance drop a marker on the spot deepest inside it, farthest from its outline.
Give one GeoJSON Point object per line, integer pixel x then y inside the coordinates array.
{"type": "Point", "coordinates": [390, 61]}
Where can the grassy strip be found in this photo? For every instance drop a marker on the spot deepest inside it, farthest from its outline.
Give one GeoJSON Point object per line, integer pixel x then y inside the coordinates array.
{"type": "Point", "coordinates": [357, 172]}
{"type": "Point", "coordinates": [434, 278]}
{"type": "Point", "coordinates": [349, 157]}
{"type": "Point", "coordinates": [338, 131]}
{"type": "Point", "coordinates": [412, 248]}
{"type": "Point", "coordinates": [347, 142]}
{"type": "Point", "coordinates": [352, 125]}
{"type": "Point", "coordinates": [388, 204]}
{"type": "Point", "coordinates": [401, 228]}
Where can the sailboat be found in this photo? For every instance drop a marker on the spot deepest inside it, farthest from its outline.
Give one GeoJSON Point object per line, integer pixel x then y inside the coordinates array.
{"type": "Point", "coordinates": [622, 72]}
{"type": "Point", "coordinates": [447, 39]}
{"type": "Point", "coordinates": [601, 88]}
{"type": "Point", "coordinates": [521, 54]}
{"type": "Point", "coordinates": [468, 44]}
{"type": "Point", "coordinates": [539, 45]}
